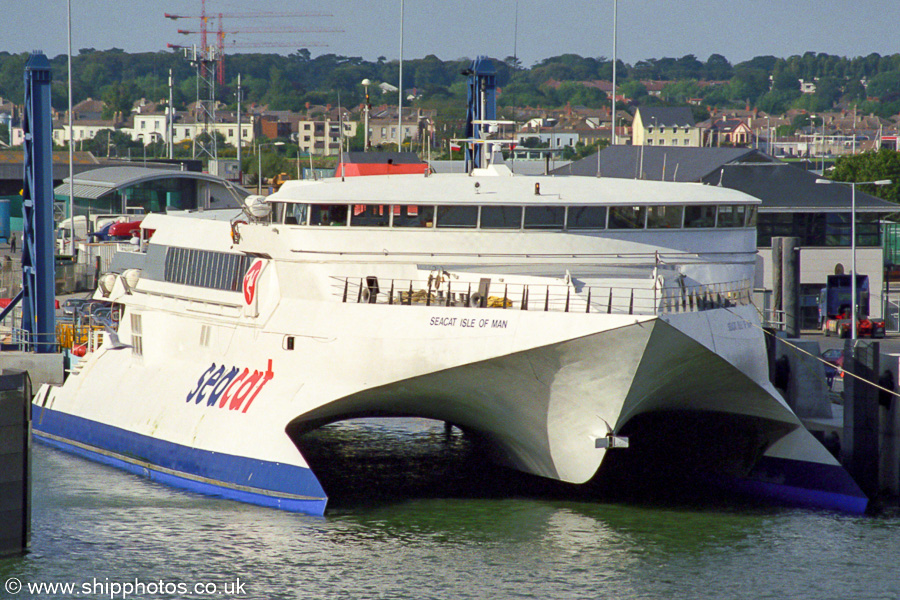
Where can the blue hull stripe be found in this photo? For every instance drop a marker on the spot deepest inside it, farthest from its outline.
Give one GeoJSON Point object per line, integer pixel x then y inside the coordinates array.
{"type": "Point", "coordinates": [803, 483]}
{"type": "Point", "coordinates": [276, 485]}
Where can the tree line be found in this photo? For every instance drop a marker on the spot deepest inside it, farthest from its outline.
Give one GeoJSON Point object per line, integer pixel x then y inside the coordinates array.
{"type": "Point", "coordinates": [298, 80]}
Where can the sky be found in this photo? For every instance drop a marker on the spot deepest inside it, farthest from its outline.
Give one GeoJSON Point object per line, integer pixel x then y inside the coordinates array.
{"type": "Point", "coordinates": [450, 29]}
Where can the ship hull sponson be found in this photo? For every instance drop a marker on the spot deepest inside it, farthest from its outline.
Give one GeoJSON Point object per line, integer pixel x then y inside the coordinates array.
{"type": "Point", "coordinates": [544, 408]}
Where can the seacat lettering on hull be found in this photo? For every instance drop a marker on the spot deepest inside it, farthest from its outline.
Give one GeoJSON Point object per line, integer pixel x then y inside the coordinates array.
{"type": "Point", "coordinates": [232, 387]}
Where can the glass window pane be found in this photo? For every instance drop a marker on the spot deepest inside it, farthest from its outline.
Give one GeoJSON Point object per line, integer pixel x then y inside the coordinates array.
{"type": "Point", "coordinates": [587, 217]}
{"type": "Point", "coordinates": [664, 217]}
{"type": "Point", "coordinates": [277, 214]}
{"type": "Point", "coordinates": [837, 229]}
{"type": "Point", "coordinates": [544, 217]}
{"type": "Point", "coordinates": [370, 215]}
{"type": "Point", "coordinates": [295, 214]}
{"type": "Point", "coordinates": [751, 216]}
{"type": "Point", "coordinates": [627, 217]}
{"type": "Point", "coordinates": [501, 217]}
{"type": "Point", "coordinates": [413, 215]}
{"type": "Point", "coordinates": [700, 216]}
{"type": "Point", "coordinates": [457, 216]}
{"type": "Point", "coordinates": [867, 229]}
{"type": "Point", "coordinates": [730, 216]}
{"type": "Point", "coordinates": [328, 214]}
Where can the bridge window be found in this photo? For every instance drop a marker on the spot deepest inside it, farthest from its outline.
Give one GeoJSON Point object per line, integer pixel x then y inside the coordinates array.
{"type": "Point", "coordinates": [665, 217]}
{"type": "Point", "coordinates": [370, 215]}
{"type": "Point", "coordinates": [627, 217]}
{"type": "Point", "coordinates": [700, 216]}
{"type": "Point", "coordinates": [751, 216]}
{"type": "Point", "coordinates": [290, 213]}
{"type": "Point", "coordinates": [501, 217]}
{"type": "Point", "coordinates": [328, 214]}
{"type": "Point", "coordinates": [463, 217]}
{"type": "Point", "coordinates": [413, 215]}
{"type": "Point", "coordinates": [544, 217]}
{"type": "Point", "coordinates": [587, 217]}
{"type": "Point", "coordinates": [731, 216]}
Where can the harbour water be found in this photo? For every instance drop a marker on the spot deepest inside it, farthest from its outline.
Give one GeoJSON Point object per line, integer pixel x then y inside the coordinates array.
{"type": "Point", "coordinates": [419, 516]}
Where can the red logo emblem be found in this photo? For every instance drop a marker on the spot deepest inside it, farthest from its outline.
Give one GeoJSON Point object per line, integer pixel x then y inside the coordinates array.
{"type": "Point", "coordinates": [250, 281]}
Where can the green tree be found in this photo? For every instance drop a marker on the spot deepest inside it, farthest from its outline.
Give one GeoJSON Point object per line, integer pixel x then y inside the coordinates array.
{"type": "Point", "coordinates": [119, 98]}
{"type": "Point", "coordinates": [718, 68]}
{"type": "Point", "coordinates": [884, 85]}
{"type": "Point", "coordinates": [681, 91]}
{"type": "Point", "coordinates": [634, 90]}
{"type": "Point", "coordinates": [871, 166]}
{"type": "Point", "coordinates": [748, 84]}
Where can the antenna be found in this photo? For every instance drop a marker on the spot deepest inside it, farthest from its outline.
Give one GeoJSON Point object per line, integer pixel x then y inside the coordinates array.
{"type": "Point", "coordinates": [341, 135]}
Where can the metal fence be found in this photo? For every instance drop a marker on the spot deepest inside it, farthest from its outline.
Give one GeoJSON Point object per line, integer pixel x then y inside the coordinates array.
{"type": "Point", "coordinates": [549, 297]}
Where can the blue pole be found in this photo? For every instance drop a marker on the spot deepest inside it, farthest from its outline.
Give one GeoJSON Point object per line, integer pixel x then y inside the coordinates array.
{"type": "Point", "coordinates": [482, 106]}
{"type": "Point", "coordinates": [39, 281]}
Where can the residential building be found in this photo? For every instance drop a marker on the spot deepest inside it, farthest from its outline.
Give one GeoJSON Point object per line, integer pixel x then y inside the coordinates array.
{"type": "Point", "coordinates": [324, 137]}
{"type": "Point", "coordinates": [82, 129]}
{"type": "Point", "coordinates": [151, 127]}
{"type": "Point", "coordinates": [665, 126]}
{"type": "Point", "coordinates": [730, 132]}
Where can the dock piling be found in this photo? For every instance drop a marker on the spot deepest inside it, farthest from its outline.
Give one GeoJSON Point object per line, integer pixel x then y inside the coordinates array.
{"type": "Point", "coordinates": [15, 467]}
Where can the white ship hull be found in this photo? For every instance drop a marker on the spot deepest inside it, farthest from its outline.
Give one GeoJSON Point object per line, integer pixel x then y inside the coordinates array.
{"type": "Point", "coordinates": [225, 381]}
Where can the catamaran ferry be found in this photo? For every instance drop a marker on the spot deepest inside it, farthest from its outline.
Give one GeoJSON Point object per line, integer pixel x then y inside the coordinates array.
{"type": "Point", "coordinates": [567, 322]}
{"type": "Point", "coordinates": [562, 320]}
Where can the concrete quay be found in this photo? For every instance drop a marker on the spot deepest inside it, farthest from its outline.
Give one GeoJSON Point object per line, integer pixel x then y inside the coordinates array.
{"type": "Point", "coordinates": [857, 417]}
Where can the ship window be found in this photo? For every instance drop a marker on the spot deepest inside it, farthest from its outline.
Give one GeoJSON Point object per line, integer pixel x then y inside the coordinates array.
{"type": "Point", "coordinates": [731, 216]}
{"type": "Point", "coordinates": [544, 217]}
{"type": "Point", "coordinates": [296, 214]}
{"type": "Point", "coordinates": [664, 217]}
{"type": "Point", "coordinates": [751, 216]}
{"type": "Point", "coordinates": [699, 216]}
{"type": "Point", "coordinates": [457, 216]}
{"type": "Point", "coordinates": [137, 337]}
{"type": "Point", "coordinates": [277, 214]}
{"type": "Point", "coordinates": [627, 217]}
{"type": "Point", "coordinates": [586, 217]}
{"type": "Point", "coordinates": [501, 217]}
{"type": "Point", "coordinates": [370, 215]}
{"type": "Point", "coordinates": [413, 215]}
{"type": "Point", "coordinates": [328, 214]}
{"type": "Point", "coordinates": [204, 268]}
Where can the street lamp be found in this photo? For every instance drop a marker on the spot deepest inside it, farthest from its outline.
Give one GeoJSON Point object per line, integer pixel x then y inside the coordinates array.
{"type": "Point", "coordinates": [366, 83]}
{"type": "Point", "coordinates": [259, 164]}
{"type": "Point", "coordinates": [853, 185]}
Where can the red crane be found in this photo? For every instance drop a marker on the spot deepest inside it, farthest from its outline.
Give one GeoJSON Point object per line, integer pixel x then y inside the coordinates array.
{"type": "Point", "coordinates": [206, 50]}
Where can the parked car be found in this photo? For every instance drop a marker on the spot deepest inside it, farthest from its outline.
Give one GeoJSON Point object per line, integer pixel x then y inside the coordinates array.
{"type": "Point", "coordinates": [834, 357]}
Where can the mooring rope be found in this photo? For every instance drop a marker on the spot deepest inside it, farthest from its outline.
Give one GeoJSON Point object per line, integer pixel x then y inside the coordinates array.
{"type": "Point", "coordinates": [818, 358]}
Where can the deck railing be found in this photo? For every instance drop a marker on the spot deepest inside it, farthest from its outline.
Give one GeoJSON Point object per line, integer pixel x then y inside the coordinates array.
{"type": "Point", "coordinates": [649, 300]}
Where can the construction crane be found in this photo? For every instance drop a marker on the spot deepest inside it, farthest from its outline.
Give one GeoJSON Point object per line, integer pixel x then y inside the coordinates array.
{"type": "Point", "coordinates": [221, 33]}
{"type": "Point", "coordinates": [209, 56]}
{"type": "Point", "coordinates": [207, 52]}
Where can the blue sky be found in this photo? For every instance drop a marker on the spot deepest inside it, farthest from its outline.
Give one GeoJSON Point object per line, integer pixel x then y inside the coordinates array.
{"type": "Point", "coordinates": [456, 28]}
